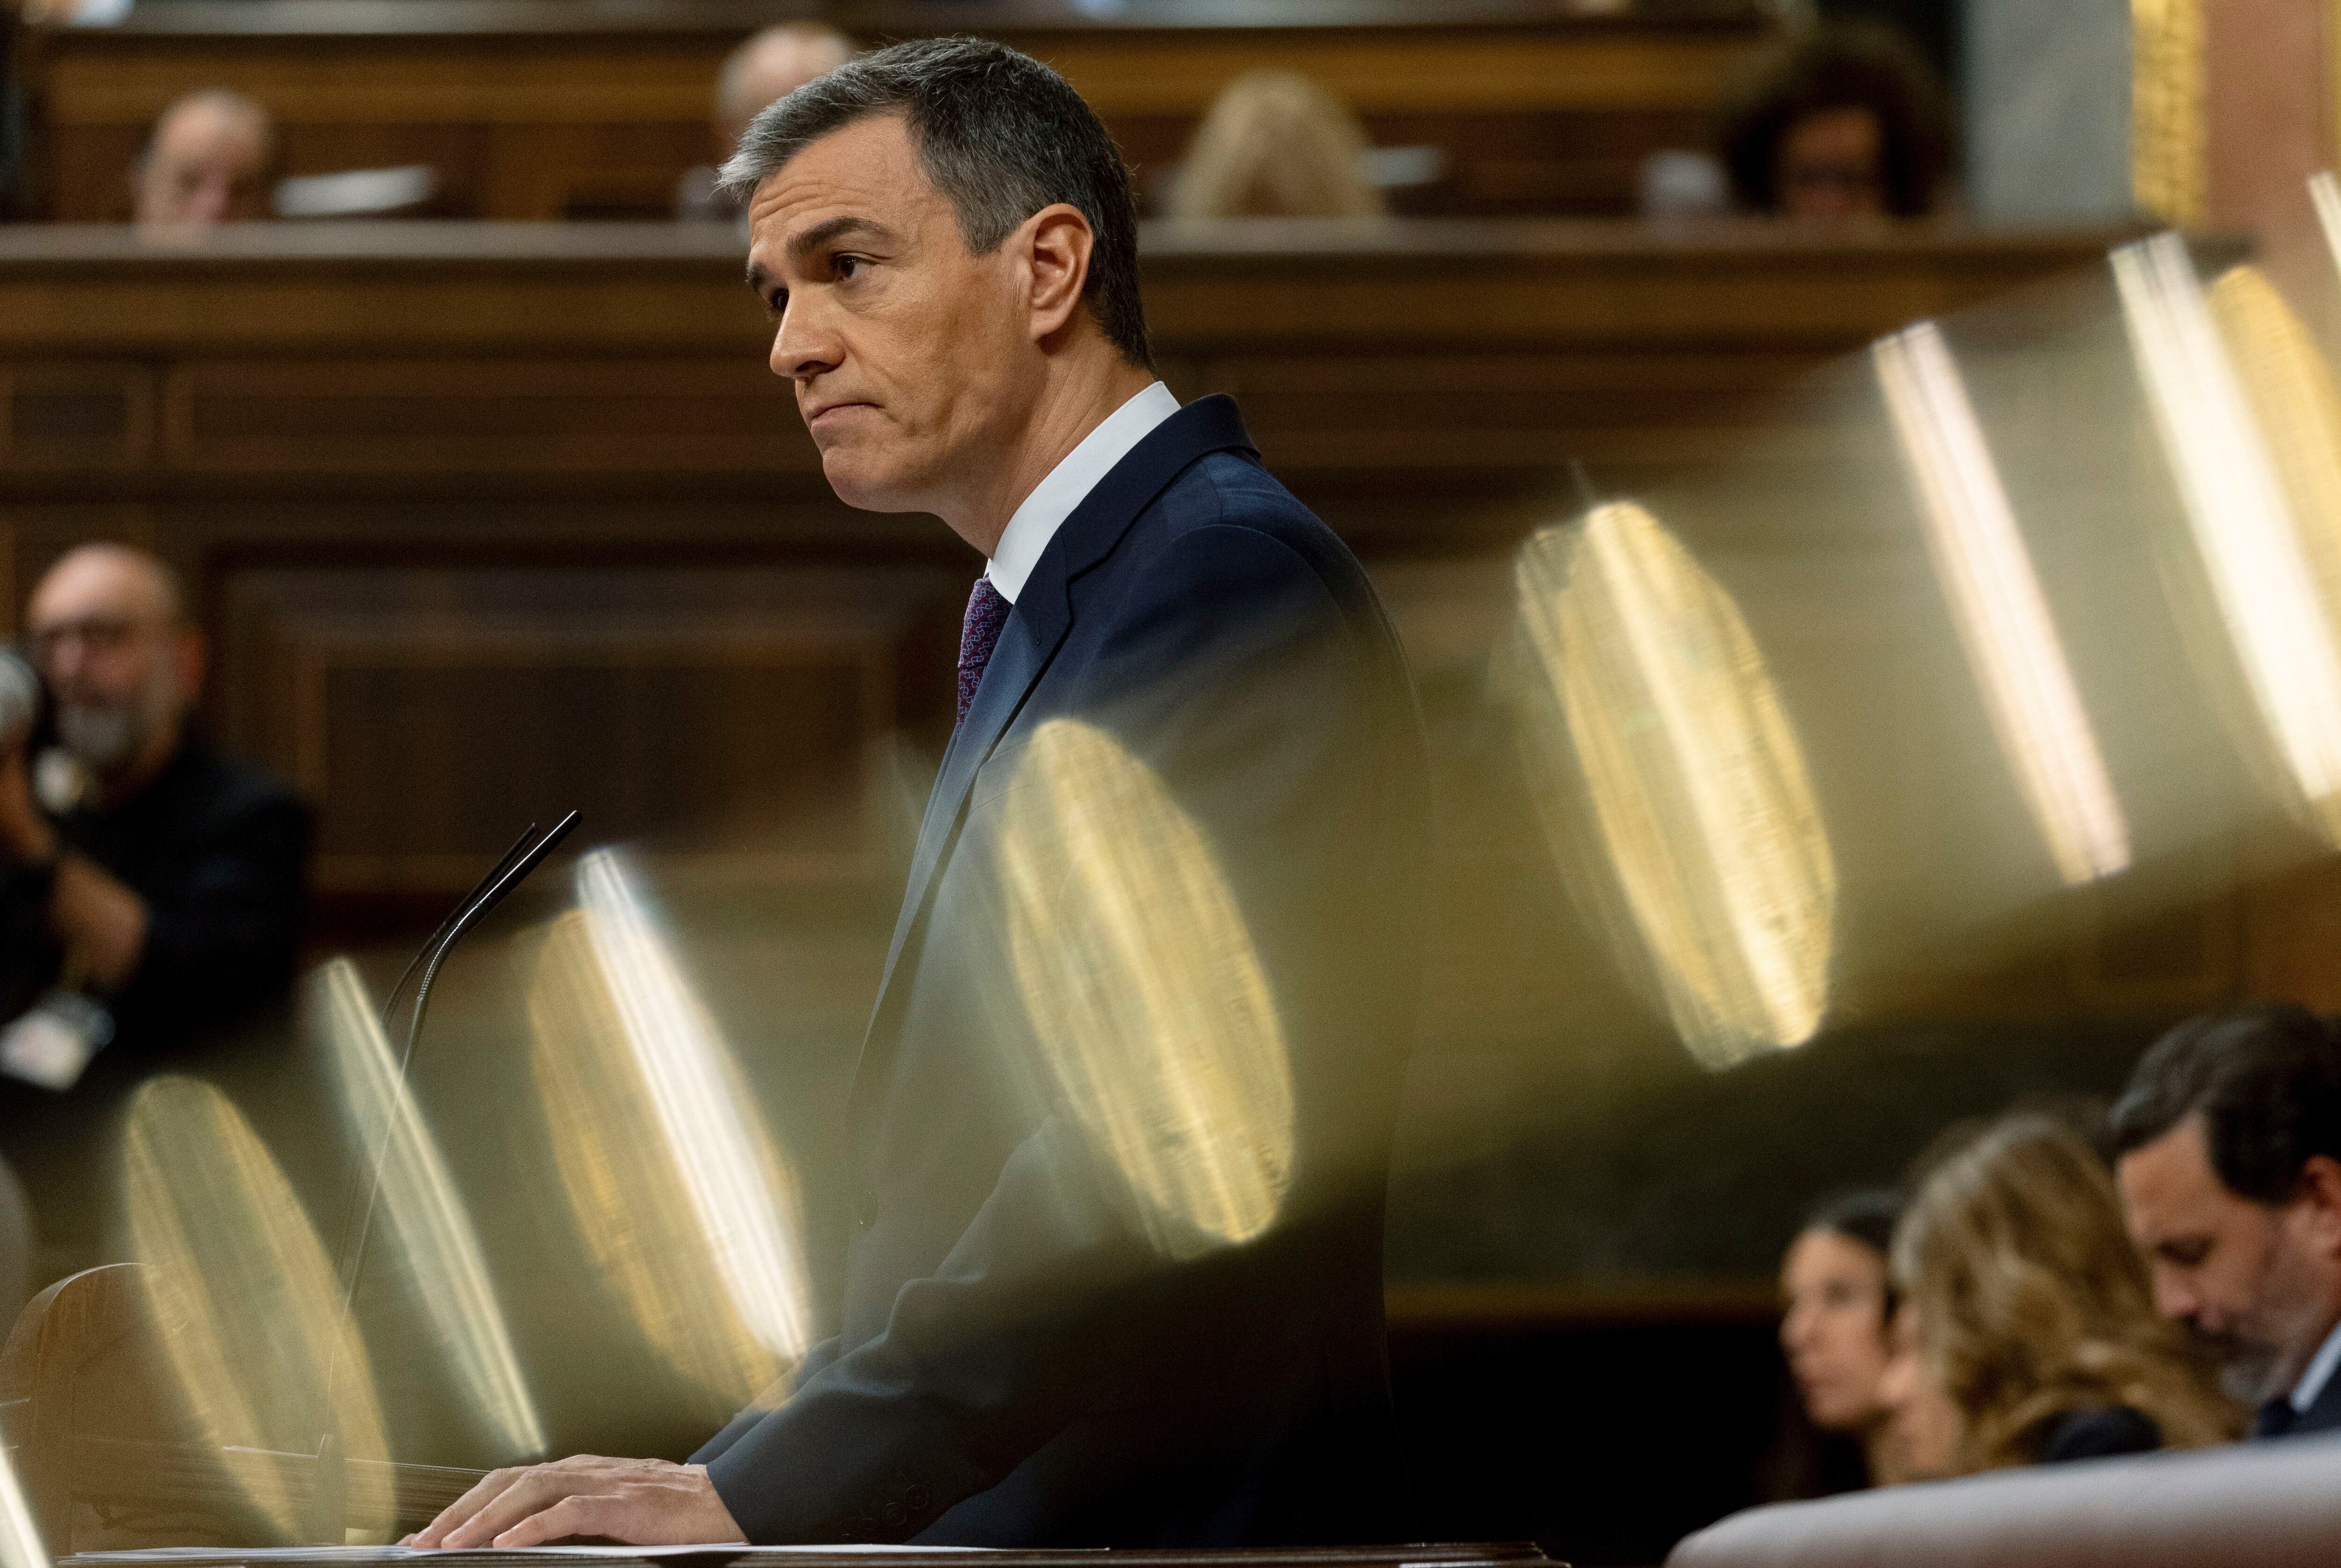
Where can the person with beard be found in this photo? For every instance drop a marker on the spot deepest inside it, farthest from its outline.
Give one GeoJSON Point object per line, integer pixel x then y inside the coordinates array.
{"type": "Point", "coordinates": [153, 890]}
{"type": "Point", "coordinates": [2229, 1146]}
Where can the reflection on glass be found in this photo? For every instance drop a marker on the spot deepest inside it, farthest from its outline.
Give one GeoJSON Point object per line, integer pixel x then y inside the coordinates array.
{"type": "Point", "coordinates": [243, 1299]}
{"type": "Point", "coordinates": [2246, 528]}
{"type": "Point", "coordinates": [421, 1213]}
{"type": "Point", "coordinates": [1996, 600]}
{"type": "Point", "coordinates": [1149, 1017]}
{"type": "Point", "coordinates": [1646, 685]}
{"type": "Point", "coordinates": [683, 1201]}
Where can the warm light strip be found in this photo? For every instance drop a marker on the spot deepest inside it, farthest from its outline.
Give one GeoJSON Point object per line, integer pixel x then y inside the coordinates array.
{"type": "Point", "coordinates": [1713, 781]}
{"type": "Point", "coordinates": [2002, 616]}
{"type": "Point", "coordinates": [2325, 195]}
{"type": "Point", "coordinates": [721, 1164]}
{"type": "Point", "coordinates": [20, 1543]}
{"type": "Point", "coordinates": [437, 1245]}
{"type": "Point", "coordinates": [2243, 526]}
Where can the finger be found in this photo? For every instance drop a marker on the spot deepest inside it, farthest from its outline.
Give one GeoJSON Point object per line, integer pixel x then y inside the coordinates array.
{"type": "Point", "coordinates": [456, 1513]}
{"type": "Point", "coordinates": [536, 1490]}
{"type": "Point", "coordinates": [577, 1515]}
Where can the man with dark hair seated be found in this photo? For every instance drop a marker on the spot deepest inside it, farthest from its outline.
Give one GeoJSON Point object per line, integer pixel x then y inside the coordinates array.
{"type": "Point", "coordinates": [2229, 1145]}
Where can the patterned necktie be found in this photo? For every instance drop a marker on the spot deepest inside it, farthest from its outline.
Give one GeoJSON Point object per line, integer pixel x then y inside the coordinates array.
{"type": "Point", "coordinates": [987, 612]}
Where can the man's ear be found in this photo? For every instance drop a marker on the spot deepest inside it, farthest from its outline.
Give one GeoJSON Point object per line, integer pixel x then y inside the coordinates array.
{"type": "Point", "coordinates": [1056, 242]}
{"type": "Point", "coordinates": [2319, 1203]}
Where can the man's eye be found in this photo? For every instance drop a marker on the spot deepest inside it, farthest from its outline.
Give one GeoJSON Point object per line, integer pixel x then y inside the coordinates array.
{"type": "Point", "coordinates": [845, 267]}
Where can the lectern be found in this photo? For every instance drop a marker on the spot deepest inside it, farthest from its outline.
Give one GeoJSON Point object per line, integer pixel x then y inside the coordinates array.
{"type": "Point", "coordinates": [113, 1472]}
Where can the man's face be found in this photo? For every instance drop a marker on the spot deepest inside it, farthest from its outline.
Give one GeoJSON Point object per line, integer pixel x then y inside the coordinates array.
{"type": "Point", "coordinates": [108, 643]}
{"type": "Point", "coordinates": [910, 358]}
{"type": "Point", "coordinates": [1832, 166]}
{"type": "Point", "coordinates": [2245, 1274]}
{"type": "Point", "coordinates": [209, 164]}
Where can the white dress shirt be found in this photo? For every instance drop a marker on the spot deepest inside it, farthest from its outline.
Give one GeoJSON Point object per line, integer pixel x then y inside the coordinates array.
{"type": "Point", "coordinates": [2320, 1373]}
{"type": "Point", "coordinates": [1067, 485]}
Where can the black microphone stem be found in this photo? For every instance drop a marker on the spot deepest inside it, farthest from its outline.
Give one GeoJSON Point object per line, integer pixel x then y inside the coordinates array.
{"type": "Point", "coordinates": [510, 874]}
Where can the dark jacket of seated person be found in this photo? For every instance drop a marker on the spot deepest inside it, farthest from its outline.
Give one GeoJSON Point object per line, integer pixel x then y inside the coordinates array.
{"type": "Point", "coordinates": [2099, 1432]}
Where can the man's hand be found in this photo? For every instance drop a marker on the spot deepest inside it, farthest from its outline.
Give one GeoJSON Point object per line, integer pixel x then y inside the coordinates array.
{"type": "Point", "coordinates": [641, 1501]}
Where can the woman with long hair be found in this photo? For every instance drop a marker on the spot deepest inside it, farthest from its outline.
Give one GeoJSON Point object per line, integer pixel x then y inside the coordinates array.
{"type": "Point", "coordinates": [2027, 1332]}
{"type": "Point", "coordinates": [1836, 1300]}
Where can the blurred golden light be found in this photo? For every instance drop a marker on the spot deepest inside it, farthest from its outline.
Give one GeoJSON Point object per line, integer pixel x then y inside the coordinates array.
{"type": "Point", "coordinates": [2259, 549]}
{"type": "Point", "coordinates": [437, 1249]}
{"type": "Point", "coordinates": [20, 1541]}
{"type": "Point", "coordinates": [2325, 195]}
{"type": "Point", "coordinates": [1647, 687]}
{"type": "Point", "coordinates": [684, 1205]}
{"type": "Point", "coordinates": [243, 1299]}
{"type": "Point", "coordinates": [2003, 618]}
{"type": "Point", "coordinates": [1152, 1024]}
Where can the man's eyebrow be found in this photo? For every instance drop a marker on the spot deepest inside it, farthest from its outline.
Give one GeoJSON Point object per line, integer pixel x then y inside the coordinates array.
{"type": "Point", "coordinates": [833, 229]}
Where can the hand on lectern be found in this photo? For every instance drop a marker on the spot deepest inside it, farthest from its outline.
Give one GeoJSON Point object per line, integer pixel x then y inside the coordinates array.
{"type": "Point", "coordinates": [640, 1502]}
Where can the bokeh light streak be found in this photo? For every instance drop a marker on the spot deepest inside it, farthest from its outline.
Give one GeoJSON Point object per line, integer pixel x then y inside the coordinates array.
{"type": "Point", "coordinates": [20, 1539]}
{"type": "Point", "coordinates": [2003, 618]}
{"type": "Point", "coordinates": [2244, 527]}
{"type": "Point", "coordinates": [435, 1242]}
{"type": "Point", "coordinates": [1150, 1015]}
{"type": "Point", "coordinates": [1698, 787]}
{"type": "Point", "coordinates": [685, 1205]}
{"type": "Point", "coordinates": [242, 1297]}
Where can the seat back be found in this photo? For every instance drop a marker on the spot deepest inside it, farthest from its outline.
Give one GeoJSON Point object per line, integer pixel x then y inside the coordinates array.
{"type": "Point", "coordinates": [2243, 1505]}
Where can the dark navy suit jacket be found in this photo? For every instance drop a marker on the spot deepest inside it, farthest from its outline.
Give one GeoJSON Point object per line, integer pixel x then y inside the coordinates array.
{"type": "Point", "coordinates": [2278, 1419]}
{"type": "Point", "coordinates": [1017, 1366]}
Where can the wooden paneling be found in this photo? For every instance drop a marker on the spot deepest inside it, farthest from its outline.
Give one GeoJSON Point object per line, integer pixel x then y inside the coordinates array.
{"type": "Point", "coordinates": [548, 110]}
{"type": "Point", "coordinates": [495, 520]}
{"type": "Point", "coordinates": [736, 717]}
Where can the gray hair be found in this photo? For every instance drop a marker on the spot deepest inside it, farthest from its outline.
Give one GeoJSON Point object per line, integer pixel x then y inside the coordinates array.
{"type": "Point", "coordinates": [998, 132]}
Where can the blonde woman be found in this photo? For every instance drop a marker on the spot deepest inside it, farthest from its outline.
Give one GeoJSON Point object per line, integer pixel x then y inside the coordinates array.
{"type": "Point", "coordinates": [1275, 144]}
{"type": "Point", "coordinates": [2028, 1333]}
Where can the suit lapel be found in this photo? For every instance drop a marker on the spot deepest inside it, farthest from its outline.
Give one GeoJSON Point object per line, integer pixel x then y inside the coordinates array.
{"type": "Point", "coordinates": [1028, 644]}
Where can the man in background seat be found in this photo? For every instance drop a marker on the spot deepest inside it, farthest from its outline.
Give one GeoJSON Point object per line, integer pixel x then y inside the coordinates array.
{"type": "Point", "coordinates": [209, 161]}
{"type": "Point", "coordinates": [153, 890]}
{"type": "Point", "coordinates": [2229, 1145]}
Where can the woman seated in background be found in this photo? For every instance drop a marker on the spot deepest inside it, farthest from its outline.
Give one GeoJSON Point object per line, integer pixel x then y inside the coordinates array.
{"type": "Point", "coordinates": [2027, 1332]}
{"type": "Point", "coordinates": [1837, 1301]}
{"type": "Point", "coordinates": [1275, 144]}
{"type": "Point", "coordinates": [1850, 124]}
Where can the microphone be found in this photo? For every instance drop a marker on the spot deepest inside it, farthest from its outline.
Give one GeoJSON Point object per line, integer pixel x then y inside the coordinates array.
{"type": "Point", "coordinates": [507, 874]}
{"type": "Point", "coordinates": [22, 694]}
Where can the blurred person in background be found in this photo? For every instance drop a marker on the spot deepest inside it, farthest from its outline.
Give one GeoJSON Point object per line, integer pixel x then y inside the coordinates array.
{"type": "Point", "coordinates": [1850, 123]}
{"type": "Point", "coordinates": [761, 72]}
{"type": "Point", "coordinates": [1838, 1301]}
{"type": "Point", "coordinates": [1275, 144]}
{"type": "Point", "coordinates": [2229, 1158]}
{"type": "Point", "coordinates": [210, 160]}
{"type": "Point", "coordinates": [2027, 1332]}
{"type": "Point", "coordinates": [153, 890]}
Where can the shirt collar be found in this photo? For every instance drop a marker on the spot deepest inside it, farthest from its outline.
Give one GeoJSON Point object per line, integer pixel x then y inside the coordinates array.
{"type": "Point", "coordinates": [2320, 1371]}
{"type": "Point", "coordinates": [1053, 499]}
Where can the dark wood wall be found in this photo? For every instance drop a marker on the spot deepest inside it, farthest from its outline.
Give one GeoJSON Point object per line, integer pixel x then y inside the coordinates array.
{"type": "Point", "coordinates": [535, 109]}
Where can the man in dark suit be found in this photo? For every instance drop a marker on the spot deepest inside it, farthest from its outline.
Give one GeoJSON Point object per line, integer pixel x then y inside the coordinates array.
{"type": "Point", "coordinates": [2229, 1138]}
{"type": "Point", "coordinates": [1123, 1112]}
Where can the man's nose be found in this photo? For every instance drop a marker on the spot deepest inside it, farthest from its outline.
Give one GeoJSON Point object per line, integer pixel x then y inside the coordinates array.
{"type": "Point", "coordinates": [803, 347]}
{"type": "Point", "coordinates": [2175, 1298]}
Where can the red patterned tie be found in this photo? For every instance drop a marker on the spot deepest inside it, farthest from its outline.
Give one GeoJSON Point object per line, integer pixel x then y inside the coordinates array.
{"type": "Point", "coordinates": [987, 612]}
